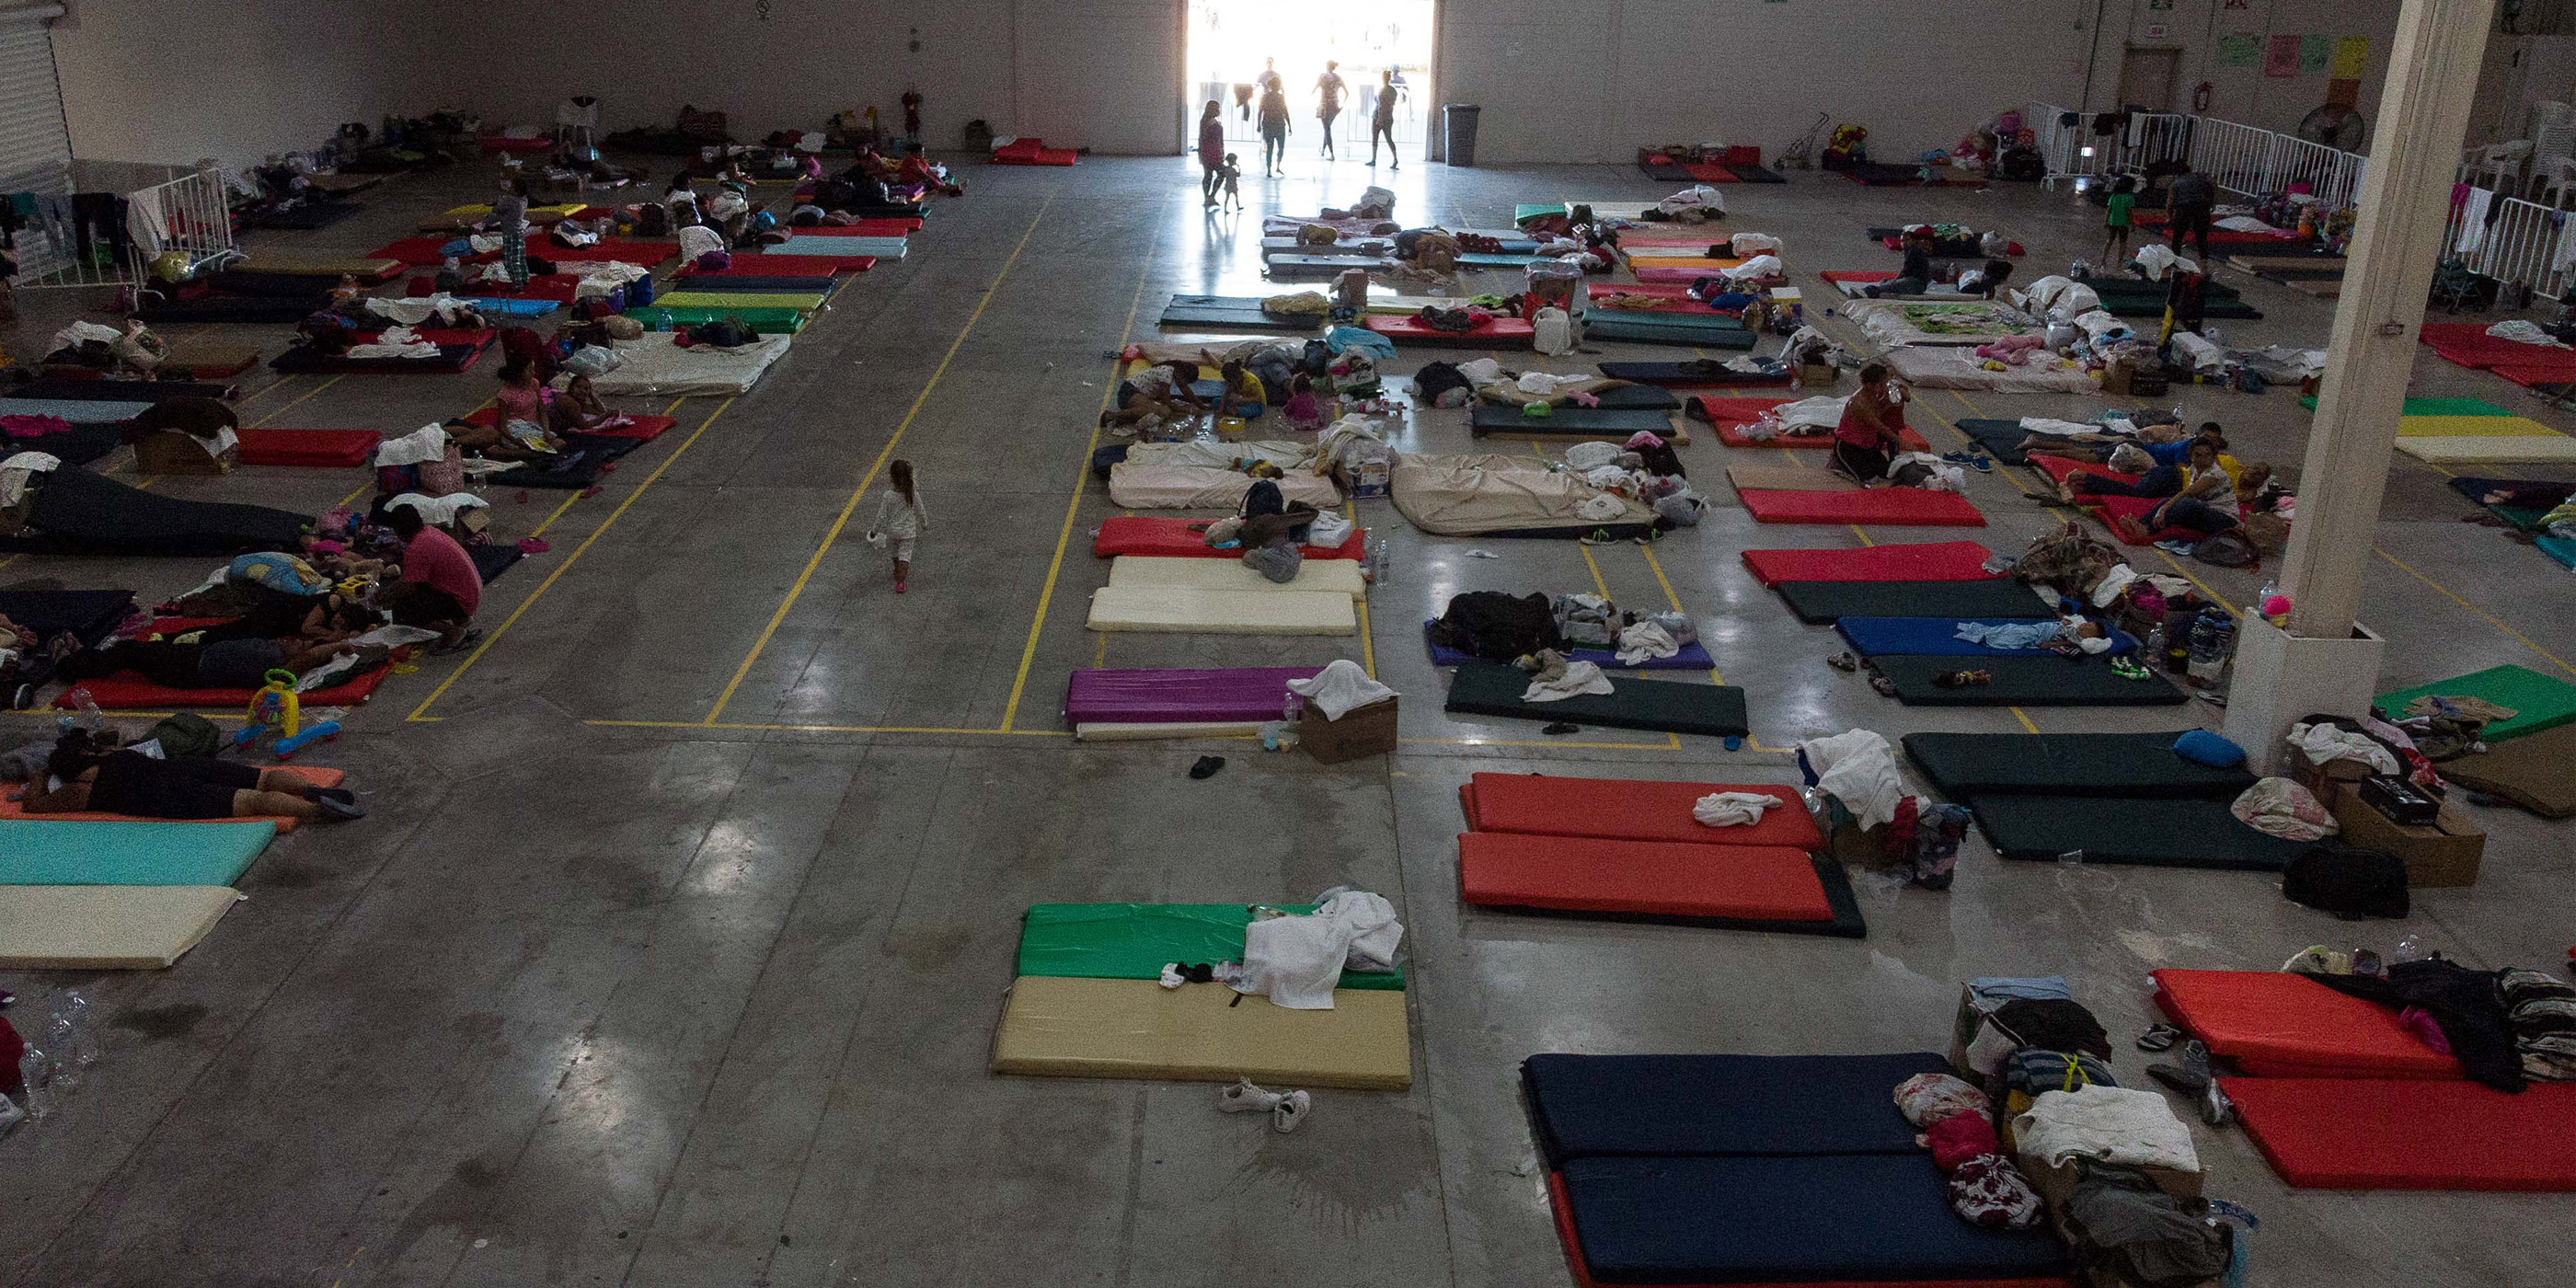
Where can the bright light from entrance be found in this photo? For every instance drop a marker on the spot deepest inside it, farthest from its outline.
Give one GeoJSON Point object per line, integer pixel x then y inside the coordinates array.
{"type": "Point", "coordinates": [1229, 38]}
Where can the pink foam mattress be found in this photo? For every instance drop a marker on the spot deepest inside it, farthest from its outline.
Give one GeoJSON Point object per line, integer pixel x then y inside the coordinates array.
{"type": "Point", "coordinates": [1179, 695]}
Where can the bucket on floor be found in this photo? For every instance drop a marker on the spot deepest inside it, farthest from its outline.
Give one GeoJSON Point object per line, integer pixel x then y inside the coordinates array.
{"type": "Point", "coordinates": [1459, 119]}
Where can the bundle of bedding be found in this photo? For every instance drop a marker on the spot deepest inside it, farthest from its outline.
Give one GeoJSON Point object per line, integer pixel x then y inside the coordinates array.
{"type": "Point", "coordinates": [1146, 485]}
{"type": "Point", "coordinates": [1497, 495]}
{"type": "Point", "coordinates": [656, 363]}
{"type": "Point", "coordinates": [1892, 323]}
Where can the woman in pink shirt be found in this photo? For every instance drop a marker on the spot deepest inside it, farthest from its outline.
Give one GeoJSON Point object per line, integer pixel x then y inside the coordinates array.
{"type": "Point", "coordinates": [440, 586]}
{"type": "Point", "coordinates": [1872, 426]}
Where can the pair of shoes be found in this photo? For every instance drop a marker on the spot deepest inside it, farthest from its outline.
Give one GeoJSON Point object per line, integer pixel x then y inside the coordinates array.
{"type": "Point", "coordinates": [1843, 662]}
{"type": "Point", "coordinates": [901, 587]}
{"type": "Point", "coordinates": [1879, 681]}
{"type": "Point", "coordinates": [2193, 1077]}
{"type": "Point", "coordinates": [1977, 461]}
{"type": "Point", "coordinates": [2160, 1037]}
{"type": "Point", "coordinates": [1286, 1108]}
{"type": "Point", "coordinates": [2128, 669]}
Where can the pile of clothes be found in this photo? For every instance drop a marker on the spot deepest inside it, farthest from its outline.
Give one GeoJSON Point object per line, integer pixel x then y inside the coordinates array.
{"type": "Point", "coordinates": [1526, 629]}
{"type": "Point", "coordinates": [1869, 817]}
{"type": "Point", "coordinates": [1644, 467]}
{"type": "Point", "coordinates": [2506, 1027]}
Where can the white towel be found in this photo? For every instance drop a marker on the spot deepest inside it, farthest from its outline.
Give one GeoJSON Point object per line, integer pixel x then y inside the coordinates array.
{"type": "Point", "coordinates": [1295, 961]}
{"type": "Point", "coordinates": [1732, 809]}
{"type": "Point", "coordinates": [427, 443]}
{"type": "Point", "coordinates": [1858, 769]}
{"type": "Point", "coordinates": [1579, 678]}
{"type": "Point", "coordinates": [1341, 688]}
{"type": "Point", "coordinates": [1646, 641]}
{"type": "Point", "coordinates": [2114, 1124]}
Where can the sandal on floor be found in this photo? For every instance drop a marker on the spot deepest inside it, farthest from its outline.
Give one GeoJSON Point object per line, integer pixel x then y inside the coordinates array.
{"type": "Point", "coordinates": [2160, 1037]}
{"type": "Point", "coordinates": [1886, 687]}
{"type": "Point", "coordinates": [1843, 662]}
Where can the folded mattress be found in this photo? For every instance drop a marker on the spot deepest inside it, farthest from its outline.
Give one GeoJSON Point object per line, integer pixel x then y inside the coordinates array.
{"type": "Point", "coordinates": [1719, 1106]}
{"type": "Point", "coordinates": [1635, 809]}
{"type": "Point", "coordinates": [1223, 612]}
{"type": "Point", "coordinates": [2537, 772]}
{"type": "Point", "coordinates": [1786, 1220]}
{"type": "Point", "coordinates": [1734, 887]}
{"type": "Point", "coordinates": [2022, 681]}
{"type": "Point", "coordinates": [1172, 538]}
{"type": "Point", "coordinates": [1992, 599]}
{"type": "Point", "coordinates": [1135, 1028]}
{"type": "Point", "coordinates": [368, 268]}
{"type": "Point", "coordinates": [91, 927]}
{"type": "Point", "coordinates": [2280, 1024]}
{"type": "Point", "coordinates": [1180, 695]}
{"type": "Point", "coordinates": [2411, 1134]}
{"type": "Point", "coordinates": [1148, 572]}
{"type": "Point", "coordinates": [1142, 486]}
{"type": "Point", "coordinates": [36, 852]}
{"type": "Point", "coordinates": [1136, 940]}
{"type": "Point", "coordinates": [2135, 765]}
{"type": "Point", "coordinates": [312, 447]}
{"type": "Point", "coordinates": [2169, 832]}
{"type": "Point", "coordinates": [1924, 561]}
{"type": "Point", "coordinates": [1910, 507]}
{"type": "Point", "coordinates": [1660, 706]}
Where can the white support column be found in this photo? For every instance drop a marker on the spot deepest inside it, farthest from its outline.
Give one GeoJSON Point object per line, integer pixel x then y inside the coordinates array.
{"type": "Point", "coordinates": [2318, 664]}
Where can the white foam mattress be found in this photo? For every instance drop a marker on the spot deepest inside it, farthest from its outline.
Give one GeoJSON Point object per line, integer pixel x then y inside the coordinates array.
{"type": "Point", "coordinates": [1145, 486]}
{"type": "Point", "coordinates": [654, 365]}
{"type": "Point", "coordinates": [1223, 612]}
{"type": "Point", "coordinates": [105, 927]}
{"type": "Point", "coordinates": [1149, 572]}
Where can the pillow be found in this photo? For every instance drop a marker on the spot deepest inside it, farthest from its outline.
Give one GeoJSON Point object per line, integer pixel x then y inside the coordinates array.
{"type": "Point", "coordinates": [2201, 747]}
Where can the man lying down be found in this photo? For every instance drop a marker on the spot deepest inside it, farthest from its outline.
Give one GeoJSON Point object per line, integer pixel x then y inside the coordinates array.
{"type": "Point", "coordinates": [94, 772]}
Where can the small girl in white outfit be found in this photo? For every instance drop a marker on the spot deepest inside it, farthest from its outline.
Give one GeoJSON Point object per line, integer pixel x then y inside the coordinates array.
{"type": "Point", "coordinates": [900, 520]}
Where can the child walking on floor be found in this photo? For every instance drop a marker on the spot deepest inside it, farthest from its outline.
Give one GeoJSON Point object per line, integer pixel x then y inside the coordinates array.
{"type": "Point", "coordinates": [2122, 202]}
{"type": "Point", "coordinates": [1230, 177]}
{"type": "Point", "coordinates": [900, 520]}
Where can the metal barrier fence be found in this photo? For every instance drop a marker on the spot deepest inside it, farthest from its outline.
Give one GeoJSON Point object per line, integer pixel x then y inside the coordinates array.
{"type": "Point", "coordinates": [2519, 244]}
{"type": "Point", "coordinates": [2244, 160]}
{"type": "Point", "coordinates": [187, 216]}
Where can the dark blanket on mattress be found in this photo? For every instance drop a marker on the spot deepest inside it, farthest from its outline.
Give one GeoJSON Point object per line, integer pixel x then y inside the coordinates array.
{"type": "Point", "coordinates": [81, 444]}
{"type": "Point", "coordinates": [305, 360]}
{"type": "Point", "coordinates": [262, 309]}
{"type": "Point", "coordinates": [577, 467]}
{"type": "Point", "coordinates": [88, 614]}
{"type": "Point", "coordinates": [77, 512]}
{"type": "Point", "coordinates": [148, 391]}
{"type": "Point", "coordinates": [493, 560]}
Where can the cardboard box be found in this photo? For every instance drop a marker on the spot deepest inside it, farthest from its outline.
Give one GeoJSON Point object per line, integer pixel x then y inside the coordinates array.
{"type": "Point", "coordinates": [1361, 732]}
{"type": "Point", "coordinates": [2445, 853]}
{"type": "Point", "coordinates": [1817, 375]}
{"type": "Point", "coordinates": [2116, 376]}
{"type": "Point", "coordinates": [2321, 779]}
{"type": "Point", "coordinates": [172, 452]}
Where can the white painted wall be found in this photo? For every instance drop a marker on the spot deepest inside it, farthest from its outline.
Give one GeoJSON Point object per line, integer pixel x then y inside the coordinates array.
{"type": "Point", "coordinates": [2246, 95]}
{"type": "Point", "coordinates": [173, 80]}
{"type": "Point", "coordinates": [1595, 81]}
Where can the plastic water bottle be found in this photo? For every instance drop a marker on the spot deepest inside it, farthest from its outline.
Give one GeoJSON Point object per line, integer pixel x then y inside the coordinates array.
{"type": "Point", "coordinates": [2156, 642]}
{"type": "Point", "coordinates": [2409, 949]}
{"type": "Point", "coordinates": [35, 1078]}
{"type": "Point", "coordinates": [72, 1034]}
{"type": "Point", "coordinates": [85, 715]}
{"type": "Point", "coordinates": [1380, 571]}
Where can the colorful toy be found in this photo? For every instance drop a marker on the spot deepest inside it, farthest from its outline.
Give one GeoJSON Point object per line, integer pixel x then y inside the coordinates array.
{"type": "Point", "coordinates": [276, 711]}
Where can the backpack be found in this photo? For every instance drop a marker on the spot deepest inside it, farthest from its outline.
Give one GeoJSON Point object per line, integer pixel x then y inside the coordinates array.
{"type": "Point", "coordinates": [2227, 550]}
{"type": "Point", "coordinates": [2347, 880]}
{"type": "Point", "coordinates": [187, 736]}
{"type": "Point", "coordinates": [1553, 332]}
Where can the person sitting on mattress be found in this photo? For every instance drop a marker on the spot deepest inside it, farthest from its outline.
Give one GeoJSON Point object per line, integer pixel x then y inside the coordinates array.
{"type": "Point", "coordinates": [1244, 394]}
{"type": "Point", "coordinates": [1159, 394]}
{"type": "Point", "coordinates": [440, 586]}
{"type": "Point", "coordinates": [89, 772]}
{"type": "Point", "coordinates": [578, 410]}
{"type": "Point", "coordinates": [2204, 472]}
{"type": "Point", "coordinates": [2214, 511]}
{"type": "Point", "coordinates": [1914, 276]}
{"type": "Point", "coordinates": [1872, 427]}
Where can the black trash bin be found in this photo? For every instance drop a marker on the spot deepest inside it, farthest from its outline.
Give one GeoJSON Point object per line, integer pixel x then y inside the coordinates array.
{"type": "Point", "coordinates": [1459, 119]}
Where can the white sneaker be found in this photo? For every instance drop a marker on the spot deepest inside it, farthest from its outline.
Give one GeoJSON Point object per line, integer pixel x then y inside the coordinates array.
{"type": "Point", "coordinates": [1290, 1111]}
{"type": "Point", "coordinates": [1245, 1098]}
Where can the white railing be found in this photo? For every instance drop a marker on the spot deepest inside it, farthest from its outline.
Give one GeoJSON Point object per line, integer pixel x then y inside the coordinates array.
{"type": "Point", "coordinates": [2244, 160]}
{"type": "Point", "coordinates": [187, 216]}
{"type": "Point", "coordinates": [2520, 246]}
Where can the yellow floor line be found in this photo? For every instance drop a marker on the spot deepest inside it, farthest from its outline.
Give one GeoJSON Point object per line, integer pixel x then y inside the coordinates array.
{"type": "Point", "coordinates": [2025, 719]}
{"type": "Point", "coordinates": [832, 535]}
{"type": "Point", "coordinates": [290, 404]}
{"type": "Point", "coordinates": [2447, 593]}
{"type": "Point", "coordinates": [1598, 585]}
{"type": "Point", "coordinates": [421, 712]}
{"type": "Point", "coordinates": [743, 726]}
{"type": "Point", "coordinates": [1073, 506]}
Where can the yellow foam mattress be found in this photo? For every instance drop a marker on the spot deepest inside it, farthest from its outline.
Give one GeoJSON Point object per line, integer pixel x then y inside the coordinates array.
{"type": "Point", "coordinates": [1223, 612]}
{"type": "Point", "coordinates": [2471, 447]}
{"type": "Point", "coordinates": [1788, 477]}
{"type": "Point", "coordinates": [1136, 1028]}
{"type": "Point", "coordinates": [1146, 572]}
{"type": "Point", "coordinates": [2472, 426]}
{"type": "Point", "coordinates": [105, 927]}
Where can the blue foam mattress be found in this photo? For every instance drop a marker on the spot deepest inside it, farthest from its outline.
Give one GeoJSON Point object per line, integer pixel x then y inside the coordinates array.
{"type": "Point", "coordinates": [1848, 1217]}
{"type": "Point", "coordinates": [841, 247]}
{"type": "Point", "coordinates": [1671, 1106]}
{"type": "Point", "coordinates": [55, 852]}
{"type": "Point", "coordinates": [1693, 657]}
{"type": "Point", "coordinates": [1939, 637]}
{"type": "Point", "coordinates": [79, 411]}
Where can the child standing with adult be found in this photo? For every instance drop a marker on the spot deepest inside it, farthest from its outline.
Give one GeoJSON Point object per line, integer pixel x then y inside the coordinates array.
{"type": "Point", "coordinates": [1211, 151]}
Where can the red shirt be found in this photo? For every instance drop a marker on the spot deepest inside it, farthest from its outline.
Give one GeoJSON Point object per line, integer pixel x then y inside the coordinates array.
{"type": "Point", "coordinates": [434, 557]}
{"type": "Point", "coordinates": [1857, 431]}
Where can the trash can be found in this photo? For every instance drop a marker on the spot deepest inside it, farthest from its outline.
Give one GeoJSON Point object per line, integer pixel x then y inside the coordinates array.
{"type": "Point", "coordinates": [1459, 120]}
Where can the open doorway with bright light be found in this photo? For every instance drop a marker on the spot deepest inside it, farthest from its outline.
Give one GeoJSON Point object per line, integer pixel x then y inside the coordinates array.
{"type": "Point", "coordinates": [1229, 39]}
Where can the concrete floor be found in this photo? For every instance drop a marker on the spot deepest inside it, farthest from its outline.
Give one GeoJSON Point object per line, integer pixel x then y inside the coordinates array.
{"type": "Point", "coordinates": [672, 951]}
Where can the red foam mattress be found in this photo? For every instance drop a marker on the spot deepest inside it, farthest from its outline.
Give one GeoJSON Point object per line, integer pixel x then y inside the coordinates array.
{"type": "Point", "coordinates": [643, 429]}
{"type": "Point", "coordinates": [2468, 344]}
{"type": "Point", "coordinates": [1731, 415]}
{"type": "Point", "coordinates": [505, 143]}
{"type": "Point", "coordinates": [2277, 1024]}
{"type": "Point", "coordinates": [1177, 539]}
{"type": "Point", "coordinates": [2125, 516]}
{"type": "Point", "coordinates": [422, 252]}
{"type": "Point", "coordinates": [1513, 331]}
{"type": "Point", "coordinates": [126, 691]}
{"type": "Point", "coordinates": [316, 447]}
{"type": "Point", "coordinates": [2401, 1134]}
{"type": "Point", "coordinates": [1628, 809]}
{"type": "Point", "coordinates": [1858, 275]}
{"type": "Point", "coordinates": [558, 287]}
{"type": "Point", "coordinates": [1910, 507]}
{"type": "Point", "coordinates": [1647, 878]}
{"type": "Point", "coordinates": [1031, 152]}
{"type": "Point", "coordinates": [1922, 561]}
{"type": "Point", "coordinates": [2540, 377]}
{"type": "Point", "coordinates": [1563, 1210]}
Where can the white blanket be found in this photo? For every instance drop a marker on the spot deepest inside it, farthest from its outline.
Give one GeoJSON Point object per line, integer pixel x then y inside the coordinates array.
{"type": "Point", "coordinates": [1296, 960]}
{"type": "Point", "coordinates": [1341, 688]}
{"type": "Point", "coordinates": [411, 311]}
{"type": "Point", "coordinates": [2059, 428]}
{"type": "Point", "coordinates": [2114, 1124]}
{"type": "Point", "coordinates": [440, 510]}
{"type": "Point", "coordinates": [395, 342]}
{"type": "Point", "coordinates": [1646, 641]}
{"type": "Point", "coordinates": [1222, 456]}
{"type": "Point", "coordinates": [427, 443]}
{"type": "Point", "coordinates": [653, 365]}
{"type": "Point", "coordinates": [1579, 678]}
{"type": "Point", "coordinates": [1207, 487]}
{"type": "Point", "coordinates": [1732, 809]}
{"type": "Point", "coordinates": [1858, 769]}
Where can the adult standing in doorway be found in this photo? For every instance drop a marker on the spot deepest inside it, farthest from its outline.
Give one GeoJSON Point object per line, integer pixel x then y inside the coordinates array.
{"type": "Point", "coordinates": [2193, 195]}
{"type": "Point", "coordinates": [1329, 88]}
{"type": "Point", "coordinates": [1211, 150]}
{"type": "Point", "coordinates": [1274, 128]}
{"type": "Point", "coordinates": [1382, 121]}
{"type": "Point", "coordinates": [1268, 81]}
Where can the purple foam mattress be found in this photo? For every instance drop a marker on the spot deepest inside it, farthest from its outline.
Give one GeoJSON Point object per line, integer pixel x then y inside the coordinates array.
{"type": "Point", "coordinates": [1179, 695]}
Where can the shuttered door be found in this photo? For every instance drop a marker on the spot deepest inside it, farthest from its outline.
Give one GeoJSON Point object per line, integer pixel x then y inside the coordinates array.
{"type": "Point", "coordinates": [35, 148]}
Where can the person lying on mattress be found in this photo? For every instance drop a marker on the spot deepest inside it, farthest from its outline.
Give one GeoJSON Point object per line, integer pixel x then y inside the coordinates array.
{"type": "Point", "coordinates": [89, 772]}
{"type": "Point", "coordinates": [2206, 472]}
{"type": "Point", "coordinates": [440, 587]}
{"type": "Point", "coordinates": [2156, 431]}
{"type": "Point", "coordinates": [223, 664]}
